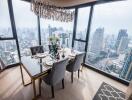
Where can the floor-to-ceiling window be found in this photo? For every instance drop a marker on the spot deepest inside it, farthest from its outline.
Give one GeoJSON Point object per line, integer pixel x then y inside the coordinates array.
{"type": "Point", "coordinates": [8, 48]}
{"type": "Point", "coordinates": [110, 39]}
{"type": "Point", "coordinates": [26, 26]}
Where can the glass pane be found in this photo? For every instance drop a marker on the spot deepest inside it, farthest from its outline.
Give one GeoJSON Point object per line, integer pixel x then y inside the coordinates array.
{"type": "Point", "coordinates": [110, 43]}
{"type": "Point", "coordinates": [80, 46]}
{"type": "Point", "coordinates": [26, 24]}
{"type": "Point", "coordinates": [8, 52]}
{"type": "Point", "coordinates": [5, 25]}
{"type": "Point", "coordinates": [63, 30]}
{"type": "Point", "coordinates": [82, 23]}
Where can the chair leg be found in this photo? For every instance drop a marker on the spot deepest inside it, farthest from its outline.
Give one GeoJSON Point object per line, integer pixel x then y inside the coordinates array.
{"type": "Point", "coordinates": [71, 77]}
{"type": "Point", "coordinates": [81, 68]}
{"type": "Point", "coordinates": [78, 73]}
{"type": "Point", "coordinates": [63, 83]}
{"type": "Point", "coordinates": [52, 89]}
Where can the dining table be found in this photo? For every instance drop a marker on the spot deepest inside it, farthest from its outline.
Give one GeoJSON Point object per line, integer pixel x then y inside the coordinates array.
{"type": "Point", "coordinates": [39, 65]}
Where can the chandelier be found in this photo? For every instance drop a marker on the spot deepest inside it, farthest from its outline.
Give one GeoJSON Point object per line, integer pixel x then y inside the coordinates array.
{"type": "Point", "coordinates": [44, 9]}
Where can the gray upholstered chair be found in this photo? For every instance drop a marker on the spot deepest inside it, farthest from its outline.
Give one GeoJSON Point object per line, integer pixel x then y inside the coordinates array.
{"type": "Point", "coordinates": [56, 75]}
{"type": "Point", "coordinates": [75, 65]}
{"type": "Point", "coordinates": [36, 49]}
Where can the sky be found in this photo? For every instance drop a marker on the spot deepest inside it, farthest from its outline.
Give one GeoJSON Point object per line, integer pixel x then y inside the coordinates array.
{"type": "Point", "coordinates": [111, 16]}
{"type": "Point", "coordinates": [4, 14]}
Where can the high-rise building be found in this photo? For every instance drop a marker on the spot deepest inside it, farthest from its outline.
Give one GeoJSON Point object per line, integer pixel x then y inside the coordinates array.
{"type": "Point", "coordinates": [123, 45]}
{"type": "Point", "coordinates": [49, 29]}
{"type": "Point", "coordinates": [122, 33]}
{"type": "Point", "coordinates": [126, 72]}
{"type": "Point", "coordinates": [97, 42]}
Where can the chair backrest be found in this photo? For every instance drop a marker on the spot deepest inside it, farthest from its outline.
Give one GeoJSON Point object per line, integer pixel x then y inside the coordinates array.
{"type": "Point", "coordinates": [78, 61]}
{"type": "Point", "coordinates": [36, 49]}
{"type": "Point", "coordinates": [2, 65]}
{"type": "Point", "coordinates": [58, 71]}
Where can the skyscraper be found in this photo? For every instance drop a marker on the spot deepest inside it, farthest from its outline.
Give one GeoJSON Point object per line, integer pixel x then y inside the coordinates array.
{"type": "Point", "coordinates": [126, 72]}
{"type": "Point", "coordinates": [49, 30]}
{"type": "Point", "coordinates": [122, 33]}
{"type": "Point", "coordinates": [123, 45]}
{"type": "Point", "coordinates": [97, 42]}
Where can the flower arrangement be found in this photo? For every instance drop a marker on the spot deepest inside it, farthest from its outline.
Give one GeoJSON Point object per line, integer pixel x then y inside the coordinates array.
{"type": "Point", "coordinates": [53, 45]}
{"type": "Point", "coordinates": [54, 40]}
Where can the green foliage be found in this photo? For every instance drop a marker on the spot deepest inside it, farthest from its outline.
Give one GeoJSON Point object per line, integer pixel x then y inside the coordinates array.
{"type": "Point", "coordinates": [54, 40]}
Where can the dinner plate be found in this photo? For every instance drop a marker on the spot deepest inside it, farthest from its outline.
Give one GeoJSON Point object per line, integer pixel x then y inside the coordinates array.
{"type": "Point", "coordinates": [49, 63]}
{"type": "Point", "coordinates": [72, 55]}
{"type": "Point", "coordinates": [41, 55]}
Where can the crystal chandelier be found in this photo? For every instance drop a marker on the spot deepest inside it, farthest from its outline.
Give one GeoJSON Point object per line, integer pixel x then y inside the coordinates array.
{"type": "Point", "coordinates": [44, 9]}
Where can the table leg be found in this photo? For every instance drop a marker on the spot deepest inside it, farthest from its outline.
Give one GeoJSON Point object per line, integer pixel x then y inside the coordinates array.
{"type": "Point", "coordinates": [21, 74]}
{"type": "Point", "coordinates": [40, 81]}
{"type": "Point", "coordinates": [23, 77]}
{"type": "Point", "coordinates": [34, 89]}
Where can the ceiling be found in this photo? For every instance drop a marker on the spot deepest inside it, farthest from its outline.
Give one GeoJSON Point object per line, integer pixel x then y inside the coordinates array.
{"type": "Point", "coordinates": [74, 3]}
{"type": "Point", "coordinates": [67, 3]}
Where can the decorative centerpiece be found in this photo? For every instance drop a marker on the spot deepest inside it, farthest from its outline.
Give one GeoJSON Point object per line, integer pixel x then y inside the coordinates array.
{"type": "Point", "coordinates": [53, 45]}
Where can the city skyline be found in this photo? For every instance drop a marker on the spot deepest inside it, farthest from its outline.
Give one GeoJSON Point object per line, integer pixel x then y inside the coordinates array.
{"type": "Point", "coordinates": [31, 40]}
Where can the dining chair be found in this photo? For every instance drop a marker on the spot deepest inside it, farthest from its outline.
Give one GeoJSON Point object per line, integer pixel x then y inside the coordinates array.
{"type": "Point", "coordinates": [36, 49]}
{"type": "Point", "coordinates": [56, 74]}
{"type": "Point", "coordinates": [75, 65]}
